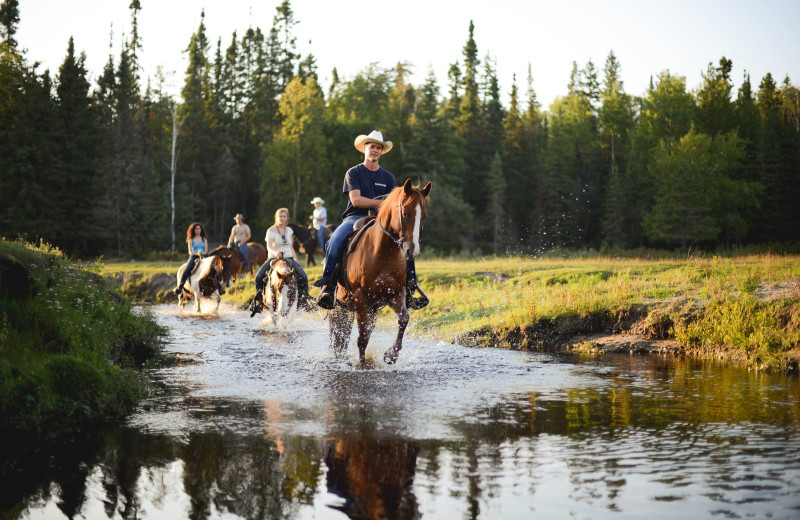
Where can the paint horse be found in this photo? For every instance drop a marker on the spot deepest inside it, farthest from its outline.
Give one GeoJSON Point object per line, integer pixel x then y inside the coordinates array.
{"type": "Point", "coordinates": [374, 270]}
{"type": "Point", "coordinates": [202, 282]}
{"type": "Point", "coordinates": [280, 294]}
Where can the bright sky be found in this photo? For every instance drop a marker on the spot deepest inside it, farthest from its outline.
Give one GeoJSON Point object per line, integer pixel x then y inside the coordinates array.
{"type": "Point", "coordinates": [647, 36]}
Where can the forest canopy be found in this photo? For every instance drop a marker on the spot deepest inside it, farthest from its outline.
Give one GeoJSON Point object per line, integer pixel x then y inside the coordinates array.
{"type": "Point", "coordinates": [120, 167]}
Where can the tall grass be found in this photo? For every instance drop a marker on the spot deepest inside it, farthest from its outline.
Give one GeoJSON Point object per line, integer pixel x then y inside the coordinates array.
{"type": "Point", "coordinates": [69, 346]}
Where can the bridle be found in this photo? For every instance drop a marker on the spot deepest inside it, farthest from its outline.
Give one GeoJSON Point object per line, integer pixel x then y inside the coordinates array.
{"type": "Point", "coordinates": [400, 240]}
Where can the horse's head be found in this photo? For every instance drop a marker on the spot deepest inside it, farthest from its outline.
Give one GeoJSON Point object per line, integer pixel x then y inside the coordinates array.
{"type": "Point", "coordinates": [404, 210]}
{"type": "Point", "coordinates": [282, 286]}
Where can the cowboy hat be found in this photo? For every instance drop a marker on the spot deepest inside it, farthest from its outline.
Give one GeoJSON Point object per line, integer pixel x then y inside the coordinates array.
{"type": "Point", "coordinates": [317, 199]}
{"type": "Point", "coordinates": [373, 137]}
{"type": "Point", "coordinates": [238, 216]}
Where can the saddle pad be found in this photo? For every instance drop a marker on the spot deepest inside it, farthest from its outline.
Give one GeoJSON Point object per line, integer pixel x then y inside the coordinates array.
{"type": "Point", "coordinates": [359, 228]}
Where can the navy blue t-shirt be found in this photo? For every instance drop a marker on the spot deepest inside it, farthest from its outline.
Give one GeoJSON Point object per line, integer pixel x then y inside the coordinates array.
{"type": "Point", "coordinates": [371, 185]}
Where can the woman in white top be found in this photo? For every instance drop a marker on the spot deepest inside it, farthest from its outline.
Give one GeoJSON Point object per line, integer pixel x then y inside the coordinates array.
{"type": "Point", "coordinates": [279, 239]}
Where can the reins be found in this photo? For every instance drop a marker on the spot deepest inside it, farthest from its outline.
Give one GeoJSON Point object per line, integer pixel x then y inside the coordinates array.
{"type": "Point", "coordinates": [401, 239]}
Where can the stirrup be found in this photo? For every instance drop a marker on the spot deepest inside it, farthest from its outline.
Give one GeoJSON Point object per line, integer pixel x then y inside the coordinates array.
{"type": "Point", "coordinates": [326, 299]}
{"type": "Point", "coordinates": [418, 302]}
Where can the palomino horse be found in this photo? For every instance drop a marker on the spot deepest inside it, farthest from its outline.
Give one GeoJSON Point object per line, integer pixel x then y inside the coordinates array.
{"type": "Point", "coordinates": [307, 240]}
{"type": "Point", "coordinates": [202, 281]}
{"type": "Point", "coordinates": [256, 255]}
{"type": "Point", "coordinates": [280, 294]}
{"type": "Point", "coordinates": [374, 271]}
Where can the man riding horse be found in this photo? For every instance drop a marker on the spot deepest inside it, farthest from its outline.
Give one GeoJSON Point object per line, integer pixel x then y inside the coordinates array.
{"type": "Point", "coordinates": [240, 234]}
{"type": "Point", "coordinates": [366, 185]}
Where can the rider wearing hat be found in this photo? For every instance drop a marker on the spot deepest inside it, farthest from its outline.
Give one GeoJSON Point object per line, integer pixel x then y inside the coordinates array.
{"type": "Point", "coordinates": [366, 185]}
{"type": "Point", "coordinates": [319, 219]}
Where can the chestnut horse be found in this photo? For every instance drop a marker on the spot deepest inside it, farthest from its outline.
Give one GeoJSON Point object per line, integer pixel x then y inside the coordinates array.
{"type": "Point", "coordinates": [374, 271]}
{"type": "Point", "coordinates": [256, 255]}
{"type": "Point", "coordinates": [202, 282]}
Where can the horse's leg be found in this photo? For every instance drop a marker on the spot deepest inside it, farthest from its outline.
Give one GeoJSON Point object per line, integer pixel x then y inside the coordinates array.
{"type": "Point", "coordinates": [390, 356]}
{"type": "Point", "coordinates": [340, 321]}
{"type": "Point", "coordinates": [197, 294]}
{"type": "Point", "coordinates": [366, 322]}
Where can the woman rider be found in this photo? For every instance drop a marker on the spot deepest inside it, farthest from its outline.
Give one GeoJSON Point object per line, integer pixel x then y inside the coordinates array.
{"type": "Point", "coordinates": [197, 245]}
{"type": "Point", "coordinates": [279, 240]}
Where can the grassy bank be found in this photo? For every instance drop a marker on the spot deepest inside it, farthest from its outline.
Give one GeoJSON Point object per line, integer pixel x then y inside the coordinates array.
{"type": "Point", "coordinates": [745, 309]}
{"type": "Point", "coordinates": [70, 347]}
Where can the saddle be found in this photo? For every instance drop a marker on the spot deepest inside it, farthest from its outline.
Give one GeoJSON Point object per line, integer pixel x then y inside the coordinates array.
{"type": "Point", "coordinates": [359, 228]}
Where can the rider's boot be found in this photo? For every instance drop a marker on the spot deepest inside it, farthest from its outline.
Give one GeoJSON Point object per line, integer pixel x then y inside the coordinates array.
{"type": "Point", "coordinates": [326, 298]}
{"type": "Point", "coordinates": [412, 285]}
{"type": "Point", "coordinates": [257, 305]}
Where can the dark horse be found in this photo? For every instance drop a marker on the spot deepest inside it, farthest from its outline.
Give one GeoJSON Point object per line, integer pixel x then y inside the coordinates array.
{"type": "Point", "coordinates": [307, 240]}
{"type": "Point", "coordinates": [374, 270]}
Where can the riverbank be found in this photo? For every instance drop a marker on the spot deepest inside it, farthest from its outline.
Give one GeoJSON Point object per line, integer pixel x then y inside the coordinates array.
{"type": "Point", "coordinates": [71, 348]}
{"type": "Point", "coordinates": [744, 309]}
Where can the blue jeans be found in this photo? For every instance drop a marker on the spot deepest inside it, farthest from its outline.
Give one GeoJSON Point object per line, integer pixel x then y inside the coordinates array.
{"type": "Point", "coordinates": [243, 250]}
{"type": "Point", "coordinates": [188, 271]}
{"type": "Point", "coordinates": [321, 237]}
{"type": "Point", "coordinates": [335, 245]}
{"type": "Point", "coordinates": [300, 275]}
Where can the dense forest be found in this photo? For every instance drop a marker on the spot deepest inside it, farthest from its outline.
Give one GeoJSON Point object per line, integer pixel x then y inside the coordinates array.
{"type": "Point", "coordinates": [121, 167]}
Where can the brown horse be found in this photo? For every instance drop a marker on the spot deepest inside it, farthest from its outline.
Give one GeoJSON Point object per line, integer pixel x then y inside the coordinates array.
{"type": "Point", "coordinates": [256, 255]}
{"type": "Point", "coordinates": [374, 271]}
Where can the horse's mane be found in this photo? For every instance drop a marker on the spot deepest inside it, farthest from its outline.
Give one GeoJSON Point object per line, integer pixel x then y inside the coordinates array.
{"type": "Point", "coordinates": [389, 203]}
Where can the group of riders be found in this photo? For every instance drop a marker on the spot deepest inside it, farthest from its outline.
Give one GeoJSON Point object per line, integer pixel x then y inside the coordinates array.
{"type": "Point", "coordinates": [366, 185]}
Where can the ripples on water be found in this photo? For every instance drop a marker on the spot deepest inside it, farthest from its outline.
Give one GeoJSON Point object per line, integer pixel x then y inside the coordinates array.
{"type": "Point", "coordinates": [259, 421]}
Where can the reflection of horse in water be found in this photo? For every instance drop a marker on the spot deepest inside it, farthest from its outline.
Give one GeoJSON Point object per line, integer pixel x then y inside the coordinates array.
{"type": "Point", "coordinates": [307, 240]}
{"type": "Point", "coordinates": [374, 270]}
{"type": "Point", "coordinates": [203, 281]}
{"type": "Point", "coordinates": [256, 255]}
{"type": "Point", "coordinates": [374, 477]}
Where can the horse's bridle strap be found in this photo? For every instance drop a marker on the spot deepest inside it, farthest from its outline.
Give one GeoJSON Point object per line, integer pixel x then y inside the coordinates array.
{"type": "Point", "coordinates": [401, 239]}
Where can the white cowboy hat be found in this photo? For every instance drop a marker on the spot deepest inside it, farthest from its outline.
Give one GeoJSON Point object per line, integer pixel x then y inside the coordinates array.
{"type": "Point", "coordinates": [238, 216]}
{"type": "Point", "coordinates": [373, 137]}
{"type": "Point", "coordinates": [317, 199]}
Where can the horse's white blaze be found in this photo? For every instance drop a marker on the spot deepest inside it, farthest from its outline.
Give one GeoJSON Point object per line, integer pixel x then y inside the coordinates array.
{"type": "Point", "coordinates": [417, 226]}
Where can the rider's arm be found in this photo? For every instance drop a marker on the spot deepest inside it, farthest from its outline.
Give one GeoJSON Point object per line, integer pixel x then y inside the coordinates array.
{"type": "Point", "coordinates": [189, 246]}
{"type": "Point", "coordinates": [362, 202]}
{"type": "Point", "coordinates": [205, 246]}
{"type": "Point", "coordinates": [248, 235]}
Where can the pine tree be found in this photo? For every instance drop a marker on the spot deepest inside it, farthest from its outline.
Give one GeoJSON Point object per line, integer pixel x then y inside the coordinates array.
{"type": "Point", "coordinates": [469, 126]}
{"type": "Point", "coordinates": [715, 108]}
{"type": "Point", "coordinates": [9, 19]}
{"type": "Point", "coordinates": [495, 208]}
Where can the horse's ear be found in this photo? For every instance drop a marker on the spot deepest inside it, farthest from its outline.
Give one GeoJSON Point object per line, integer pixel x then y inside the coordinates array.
{"type": "Point", "coordinates": [407, 187]}
{"type": "Point", "coordinates": [427, 189]}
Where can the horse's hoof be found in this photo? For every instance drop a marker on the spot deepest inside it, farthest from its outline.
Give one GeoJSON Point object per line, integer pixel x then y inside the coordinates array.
{"type": "Point", "coordinates": [389, 359]}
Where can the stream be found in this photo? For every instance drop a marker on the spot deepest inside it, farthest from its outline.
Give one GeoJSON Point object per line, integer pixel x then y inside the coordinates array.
{"type": "Point", "coordinates": [259, 421]}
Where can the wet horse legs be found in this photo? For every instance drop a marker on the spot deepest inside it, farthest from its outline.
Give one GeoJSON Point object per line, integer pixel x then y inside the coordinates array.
{"type": "Point", "coordinates": [390, 356]}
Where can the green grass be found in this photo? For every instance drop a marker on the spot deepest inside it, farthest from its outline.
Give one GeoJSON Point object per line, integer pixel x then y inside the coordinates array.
{"type": "Point", "coordinates": [519, 301]}
{"type": "Point", "coordinates": [70, 347]}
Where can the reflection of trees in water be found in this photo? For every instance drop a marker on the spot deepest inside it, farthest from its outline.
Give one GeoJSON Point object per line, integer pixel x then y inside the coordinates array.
{"type": "Point", "coordinates": [671, 413]}
{"type": "Point", "coordinates": [373, 475]}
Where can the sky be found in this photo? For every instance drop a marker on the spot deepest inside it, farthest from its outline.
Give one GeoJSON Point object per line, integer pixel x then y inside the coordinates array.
{"type": "Point", "coordinates": [648, 37]}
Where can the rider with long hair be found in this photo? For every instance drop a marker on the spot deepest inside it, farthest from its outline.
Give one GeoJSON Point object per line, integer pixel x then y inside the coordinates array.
{"type": "Point", "coordinates": [197, 245]}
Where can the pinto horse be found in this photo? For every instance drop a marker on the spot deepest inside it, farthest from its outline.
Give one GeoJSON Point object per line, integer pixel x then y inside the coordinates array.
{"type": "Point", "coordinates": [280, 295]}
{"type": "Point", "coordinates": [202, 281]}
{"type": "Point", "coordinates": [374, 271]}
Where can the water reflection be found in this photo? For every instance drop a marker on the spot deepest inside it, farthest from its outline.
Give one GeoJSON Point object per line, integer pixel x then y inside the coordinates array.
{"type": "Point", "coordinates": [452, 433]}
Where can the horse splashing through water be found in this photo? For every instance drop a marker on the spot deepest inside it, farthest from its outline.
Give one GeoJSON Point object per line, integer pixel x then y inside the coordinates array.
{"type": "Point", "coordinates": [202, 282]}
{"type": "Point", "coordinates": [280, 295]}
{"type": "Point", "coordinates": [374, 271]}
